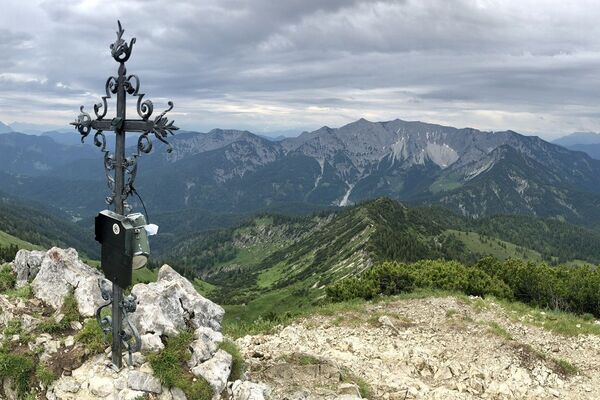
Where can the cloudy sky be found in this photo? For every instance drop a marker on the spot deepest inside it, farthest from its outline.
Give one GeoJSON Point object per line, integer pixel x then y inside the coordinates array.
{"type": "Point", "coordinates": [265, 65]}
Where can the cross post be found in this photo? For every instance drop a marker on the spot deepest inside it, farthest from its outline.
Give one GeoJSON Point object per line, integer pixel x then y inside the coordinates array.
{"type": "Point", "coordinates": [121, 181]}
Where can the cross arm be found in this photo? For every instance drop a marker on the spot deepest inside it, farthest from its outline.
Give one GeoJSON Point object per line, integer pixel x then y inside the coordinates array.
{"type": "Point", "coordinates": [129, 125]}
{"type": "Point", "coordinates": [159, 126]}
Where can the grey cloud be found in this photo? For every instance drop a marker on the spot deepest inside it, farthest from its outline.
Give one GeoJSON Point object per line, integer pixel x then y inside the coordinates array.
{"type": "Point", "coordinates": [266, 65]}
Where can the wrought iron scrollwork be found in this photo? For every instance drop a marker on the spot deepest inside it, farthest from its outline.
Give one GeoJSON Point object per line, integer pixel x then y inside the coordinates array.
{"type": "Point", "coordinates": [100, 109]}
{"type": "Point", "coordinates": [130, 335]}
{"type": "Point", "coordinates": [83, 123]}
{"type": "Point", "coordinates": [128, 305]}
{"type": "Point", "coordinates": [106, 293]}
{"type": "Point", "coordinates": [145, 108]}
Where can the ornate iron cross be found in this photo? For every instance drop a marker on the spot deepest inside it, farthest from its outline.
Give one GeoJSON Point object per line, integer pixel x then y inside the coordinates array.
{"type": "Point", "coordinates": [160, 126]}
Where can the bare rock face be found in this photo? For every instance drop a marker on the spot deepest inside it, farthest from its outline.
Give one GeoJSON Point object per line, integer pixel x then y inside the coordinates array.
{"type": "Point", "coordinates": [205, 345]}
{"type": "Point", "coordinates": [171, 304]}
{"type": "Point", "coordinates": [216, 371]}
{"type": "Point", "coordinates": [26, 265]}
{"type": "Point", "coordinates": [62, 272]}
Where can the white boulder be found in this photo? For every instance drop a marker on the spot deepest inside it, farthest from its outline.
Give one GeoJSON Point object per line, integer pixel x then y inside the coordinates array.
{"type": "Point", "coordinates": [216, 371]}
{"type": "Point", "coordinates": [171, 304]}
{"type": "Point", "coordinates": [61, 273]}
{"type": "Point", "coordinates": [246, 390]}
{"type": "Point", "coordinates": [26, 265]}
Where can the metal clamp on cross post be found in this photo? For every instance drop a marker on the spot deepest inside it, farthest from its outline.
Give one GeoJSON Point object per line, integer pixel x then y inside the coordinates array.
{"type": "Point", "coordinates": [124, 236]}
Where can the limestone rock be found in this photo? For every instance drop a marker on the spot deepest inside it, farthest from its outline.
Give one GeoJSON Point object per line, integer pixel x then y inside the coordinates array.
{"type": "Point", "coordinates": [68, 384]}
{"type": "Point", "coordinates": [61, 273]}
{"type": "Point", "coordinates": [216, 371]}
{"type": "Point", "coordinates": [128, 394]}
{"type": "Point", "coordinates": [26, 265]}
{"type": "Point", "coordinates": [349, 389]}
{"type": "Point", "coordinates": [151, 343]}
{"type": "Point", "coordinates": [178, 394]}
{"type": "Point", "coordinates": [170, 304]}
{"type": "Point", "coordinates": [9, 389]}
{"type": "Point", "coordinates": [101, 386]}
{"type": "Point", "coordinates": [144, 382]}
{"type": "Point", "coordinates": [246, 390]}
{"type": "Point", "coordinates": [205, 345]}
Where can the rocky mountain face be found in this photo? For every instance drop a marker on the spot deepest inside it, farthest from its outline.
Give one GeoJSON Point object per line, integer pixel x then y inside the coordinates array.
{"type": "Point", "coordinates": [473, 172]}
{"type": "Point", "coordinates": [53, 348]}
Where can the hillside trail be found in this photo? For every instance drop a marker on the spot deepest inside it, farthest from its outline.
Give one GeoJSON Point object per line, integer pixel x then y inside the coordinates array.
{"type": "Point", "coordinates": [431, 348]}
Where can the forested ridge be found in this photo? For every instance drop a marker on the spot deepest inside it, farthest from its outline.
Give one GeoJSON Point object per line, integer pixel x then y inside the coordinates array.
{"type": "Point", "coordinates": [399, 233]}
{"type": "Point", "coordinates": [34, 224]}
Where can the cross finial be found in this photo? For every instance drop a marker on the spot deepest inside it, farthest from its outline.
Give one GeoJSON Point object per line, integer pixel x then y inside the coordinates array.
{"type": "Point", "coordinates": [120, 50]}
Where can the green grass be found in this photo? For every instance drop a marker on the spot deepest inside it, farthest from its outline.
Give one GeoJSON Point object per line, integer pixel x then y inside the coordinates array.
{"type": "Point", "coordinates": [485, 246]}
{"type": "Point", "coordinates": [7, 278]}
{"type": "Point", "coordinates": [443, 185]}
{"type": "Point", "coordinates": [44, 374]}
{"type": "Point", "coordinates": [204, 288]}
{"type": "Point", "coordinates": [13, 327]}
{"type": "Point", "coordinates": [269, 276]}
{"type": "Point", "coordinates": [144, 275]}
{"type": "Point", "coordinates": [305, 359]}
{"type": "Point", "coordinates": [92, 337]}
{"type": "Point", "coordinates": [238, 366]}
{"type": "Point", "coordinates": [70, 313]}
{"type": "Point", "coordinates": [24, 292]}
{"type": "Point", "coordinates": [292, 299]}
{"type": "Point", "coordinates": [364, 388]}
{"type": "Point", "coordinates": [496, 329]}
{"type": "Point", "coordinates": [91, 262]}
{"type": "Point", "coordinates": [170, 367]}
{"type": "Point", "coordinates": [563, 323]}
{"type": "Point", "coordinates": [564, 367]}
{"type": "Point", "coordinates": [7, 240]}
{"type": "Point", "coordinates": [18, 367]}
{"type": "Point", "coordinates": [451, 312]}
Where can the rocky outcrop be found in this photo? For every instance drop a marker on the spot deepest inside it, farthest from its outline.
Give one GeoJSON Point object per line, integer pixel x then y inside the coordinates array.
{"type": "Point", "coordinates": [171, 304]}
{"type": "Point", "coordinates": [433, 348]}
{"type": "Point", "coordinates": [26, 266]}
{"type": "Point", "coordinates": [165, 309]}
{"type": "Point", "coordinates": [57, 273]}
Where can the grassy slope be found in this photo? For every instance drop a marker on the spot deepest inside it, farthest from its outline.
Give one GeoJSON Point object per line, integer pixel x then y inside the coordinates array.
{"type": "Point", "coordinates": [8, 240]}
{"type": "Point", "coordinates": [487, 246]}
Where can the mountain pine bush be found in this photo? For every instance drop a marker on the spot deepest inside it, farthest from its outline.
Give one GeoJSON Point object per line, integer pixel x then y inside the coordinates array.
{"type": "Point", "coordinates": [536, 283]}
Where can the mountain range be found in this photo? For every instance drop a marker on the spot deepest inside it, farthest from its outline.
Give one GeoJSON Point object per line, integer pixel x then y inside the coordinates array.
{"type": "Point", "coordinates": [472, 172]}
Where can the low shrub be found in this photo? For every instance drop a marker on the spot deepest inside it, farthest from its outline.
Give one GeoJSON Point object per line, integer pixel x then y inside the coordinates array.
{"type": "Point", "coordinates": [170, 367]}
{"type": "Point", "coordinates": [92, 337]}
{"type": "Point", "coordinates": [18, 367]}
{"type": "Point", "coordinates": [70, 312]}
{"type": "Point", "coordinates": [7, 278]}
{"type": "Point", "coordinates": [565, 288]}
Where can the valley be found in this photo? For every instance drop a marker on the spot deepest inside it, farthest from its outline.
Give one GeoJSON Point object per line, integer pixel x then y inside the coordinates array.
{"type": "Point", "coordinates": [274, 264]}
